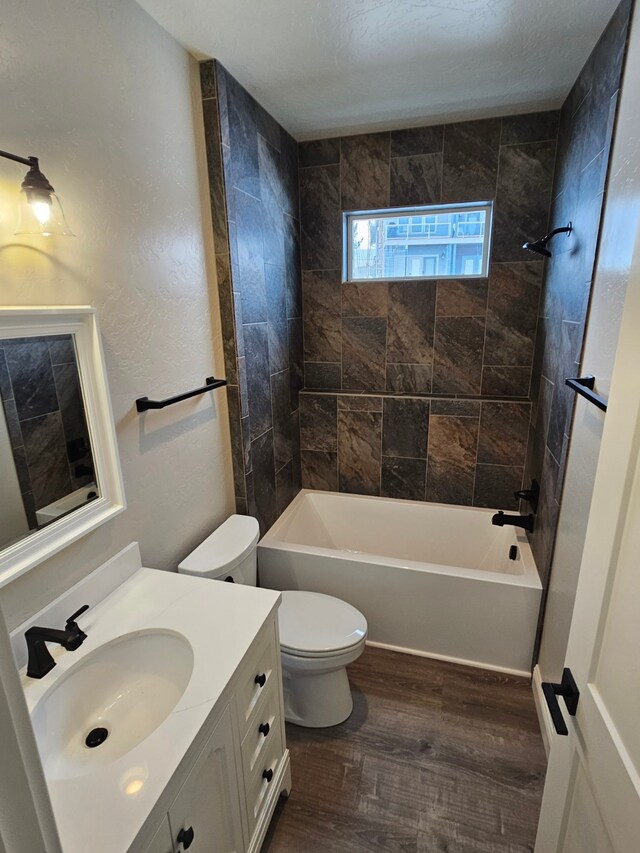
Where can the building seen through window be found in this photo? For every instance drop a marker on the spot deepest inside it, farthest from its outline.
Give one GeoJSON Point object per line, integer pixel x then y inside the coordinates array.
{"type": "Point", "coordinates": [427, 242]}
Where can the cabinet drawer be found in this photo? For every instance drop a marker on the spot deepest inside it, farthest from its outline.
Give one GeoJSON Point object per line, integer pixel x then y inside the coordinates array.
{"type": "Point", "coordinates": [264, 727]}
{"type": "Point", "coordinates": [257, 675]}
{"type": "Point", "coordinates": [259, 788]}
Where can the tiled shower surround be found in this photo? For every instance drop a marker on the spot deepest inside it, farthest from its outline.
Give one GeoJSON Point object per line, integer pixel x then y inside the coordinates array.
{"type": "Point", "coordinates": [586, 131]}
{"type": "Point", "coordinates": [418, 389]}
{"type": "Point", "coordinates": [451, 360]}
{"type": "Point", "coordinates": [435, 449]}
{"type": "Point", "coordinates": [253, 179]}
{"type": "Point", "coordinates": [451, 337]}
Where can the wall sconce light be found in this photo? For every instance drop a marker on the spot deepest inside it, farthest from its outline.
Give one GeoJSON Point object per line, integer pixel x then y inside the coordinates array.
{"type": "Point", "coordinates": [40, 209]}
{"type": "Point", "coordinates": [540, 246]}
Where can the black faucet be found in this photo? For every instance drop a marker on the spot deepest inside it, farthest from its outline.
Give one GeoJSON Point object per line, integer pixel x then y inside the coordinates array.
{"type": "Point", "coordinates": [526, 521]}
{"type": "Point", "coordinates": [40, 660]}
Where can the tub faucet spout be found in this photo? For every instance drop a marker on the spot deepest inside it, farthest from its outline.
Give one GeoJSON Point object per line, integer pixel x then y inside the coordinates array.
{"type": "Point", "coordinates": [525, 521]}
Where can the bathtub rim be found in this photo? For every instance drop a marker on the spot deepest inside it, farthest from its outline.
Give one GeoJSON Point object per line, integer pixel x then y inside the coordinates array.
{"type": "Point", "coordinates": [529, 578]}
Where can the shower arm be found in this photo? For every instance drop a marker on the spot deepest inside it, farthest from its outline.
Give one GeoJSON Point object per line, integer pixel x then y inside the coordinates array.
{"type": "Point", "coordinates": [566, 229]}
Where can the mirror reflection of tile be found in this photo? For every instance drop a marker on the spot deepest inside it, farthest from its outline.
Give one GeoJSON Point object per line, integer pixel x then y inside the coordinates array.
{"type": "Point", "coordinates": [45, 418]}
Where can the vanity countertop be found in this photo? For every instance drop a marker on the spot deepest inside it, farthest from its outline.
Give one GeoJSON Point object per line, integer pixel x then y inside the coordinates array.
{"type": "Point", "coordinates": [103, 811]}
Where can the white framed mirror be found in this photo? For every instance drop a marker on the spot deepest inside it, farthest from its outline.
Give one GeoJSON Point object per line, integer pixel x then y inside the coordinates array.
{"type": "Point", "coordinates": [59, 463]}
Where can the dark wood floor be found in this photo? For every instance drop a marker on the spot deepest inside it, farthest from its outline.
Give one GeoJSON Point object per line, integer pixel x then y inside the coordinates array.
{"type": "Point", "coordinates": [434, 758]}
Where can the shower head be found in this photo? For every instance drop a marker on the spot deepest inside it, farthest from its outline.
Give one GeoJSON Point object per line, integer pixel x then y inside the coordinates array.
{"type": "Point", "coordinates": [540, 246]}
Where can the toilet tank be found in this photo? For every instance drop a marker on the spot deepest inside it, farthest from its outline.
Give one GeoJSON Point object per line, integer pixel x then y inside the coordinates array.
{"type": "Point", "coordinates": [229, 554]}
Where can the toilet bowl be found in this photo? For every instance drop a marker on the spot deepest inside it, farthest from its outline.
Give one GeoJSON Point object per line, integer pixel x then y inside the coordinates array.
{"type": "Point", "coordinates": [319, 634]}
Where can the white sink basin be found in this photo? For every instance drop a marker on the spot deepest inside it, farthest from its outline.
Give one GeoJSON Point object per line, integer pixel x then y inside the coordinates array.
{"type": "Point", "coordinates": [120, 692]}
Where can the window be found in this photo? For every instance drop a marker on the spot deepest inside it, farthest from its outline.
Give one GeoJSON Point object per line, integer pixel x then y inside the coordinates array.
{"type": "Point", "coordinates": [436, 241]}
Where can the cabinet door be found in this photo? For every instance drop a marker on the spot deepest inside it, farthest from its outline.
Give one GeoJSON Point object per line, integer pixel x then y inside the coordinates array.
{"type": "Point", "coordinates": [205, 817]}
{"type": "Point", "coordinates": [161, 841]}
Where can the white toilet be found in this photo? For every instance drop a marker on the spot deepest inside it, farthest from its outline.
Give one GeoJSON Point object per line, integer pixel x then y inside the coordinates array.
{"type": "Point", "coordinates": [319, 635]}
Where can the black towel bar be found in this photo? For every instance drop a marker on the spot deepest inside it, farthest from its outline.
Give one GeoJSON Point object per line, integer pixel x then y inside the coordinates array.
{"type": "Point", "coordinates": [144, 403]}
{"type": "Point", "coordinates": [584, 386]}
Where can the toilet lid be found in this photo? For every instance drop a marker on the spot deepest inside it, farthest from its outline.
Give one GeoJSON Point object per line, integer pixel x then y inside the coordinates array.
{"type": "Point", "coordinates": [315, 624]}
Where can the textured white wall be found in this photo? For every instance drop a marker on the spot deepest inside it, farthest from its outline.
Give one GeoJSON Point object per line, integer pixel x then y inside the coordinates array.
{"type": "Point", "coordinates": [109, 102]}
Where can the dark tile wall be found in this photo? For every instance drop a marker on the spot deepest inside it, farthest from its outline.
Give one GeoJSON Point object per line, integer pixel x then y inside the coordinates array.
{"type": "Point", "coordinates": [467, 338]}
{"type": "Point", "coordinates": [452, 360]}
{"type": "Point", "coordinates": [42, 402]}
{"type": "Point", "coordinates": [437, 449]}
{"type": "Point", "coordinates": [253, 180]}
{"type": "Point", "coordinates": [584, 141]}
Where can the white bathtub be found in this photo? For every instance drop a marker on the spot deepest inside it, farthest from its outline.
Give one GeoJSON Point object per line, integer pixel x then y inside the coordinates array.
{"type": "Point", "coordinates": [432, 579]}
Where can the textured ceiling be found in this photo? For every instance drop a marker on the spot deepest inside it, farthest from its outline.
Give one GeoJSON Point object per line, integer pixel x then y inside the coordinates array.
{"type": "Point", "coordinates": [323, 67]}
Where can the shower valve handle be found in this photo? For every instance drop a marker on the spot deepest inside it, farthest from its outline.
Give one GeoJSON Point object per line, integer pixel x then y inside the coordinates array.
{"type": "Point", "coordinates": [531, 495]}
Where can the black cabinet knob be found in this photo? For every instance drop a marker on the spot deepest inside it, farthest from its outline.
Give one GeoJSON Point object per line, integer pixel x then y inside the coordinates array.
{"type": "Point", "coordinates": [267, 774]}
{"type": "Point", "coordinates": [264, 729]}
{"type": "Point", "coordinates": [261, 679]}
{"type": "Point", "coordinates": [185, 837]}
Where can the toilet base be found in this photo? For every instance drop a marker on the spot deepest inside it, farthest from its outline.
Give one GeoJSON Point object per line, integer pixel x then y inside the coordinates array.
{"type": "Point", "coordinates": [317, 700]}
{"type": "Point", "coordinates": [316, 691]}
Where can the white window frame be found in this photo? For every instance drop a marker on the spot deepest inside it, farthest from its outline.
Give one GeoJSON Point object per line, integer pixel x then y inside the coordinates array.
{"type": "Point", "coordinates": [350, 216]}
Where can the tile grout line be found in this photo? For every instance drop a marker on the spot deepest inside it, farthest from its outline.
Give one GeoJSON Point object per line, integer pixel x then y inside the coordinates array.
{"type": "Point", "coordinates": [489, 276]}
{"type": "Point", "coordinates": [426, 461]}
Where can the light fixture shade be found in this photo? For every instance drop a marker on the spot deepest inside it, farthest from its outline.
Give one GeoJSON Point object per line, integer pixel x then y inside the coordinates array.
{"type": "Point", "coordinates": [44, 218]}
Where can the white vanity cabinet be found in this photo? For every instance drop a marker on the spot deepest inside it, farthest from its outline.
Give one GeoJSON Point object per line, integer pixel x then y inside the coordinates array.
{"type": "Point", "coordinates": [162, 841]}
{"type": "Point", "coordinates": [205, 816]}
{"type": "Point", "coordinates": [215, 764]}
{"type": "Point", "coordinates": [226, 800]}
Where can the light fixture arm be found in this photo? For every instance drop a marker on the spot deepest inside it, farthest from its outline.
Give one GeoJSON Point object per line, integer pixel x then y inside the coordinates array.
{"type": "Point", "coordinates": [26, 161]}
{"type": "Point", "coordinates": [35, 184]}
